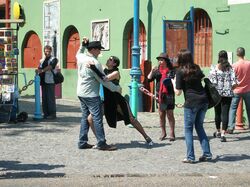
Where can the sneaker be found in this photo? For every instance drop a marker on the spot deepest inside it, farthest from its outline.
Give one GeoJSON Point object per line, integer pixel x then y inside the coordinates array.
{"type": "Point", "coordinates": [149, 141]}
{"type": "Point", "coordinates": [205, 158]}
{"type": "Point", "coordinates": [223, 139]}
{"type": "Point", "coordinates": [188, 161]}
{"type": "Point", "coordinates": [217, 134]}
{"type": "Point", "coordinates": [85, 146]}
{"type": "Point", "coordinates": [107, 147]}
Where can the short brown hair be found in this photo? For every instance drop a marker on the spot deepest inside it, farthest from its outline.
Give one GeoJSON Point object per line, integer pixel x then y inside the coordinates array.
{"type": "Point", "coordinates": [240, 52]}
{"type": "Point", "coordinates": [47, 47]}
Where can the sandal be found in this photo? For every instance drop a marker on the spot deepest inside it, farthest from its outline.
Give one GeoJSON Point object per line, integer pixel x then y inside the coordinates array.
{"type": "Point", "coordinates": [163, 137]}
{"type": "Point", "coordinates": [172, 139]}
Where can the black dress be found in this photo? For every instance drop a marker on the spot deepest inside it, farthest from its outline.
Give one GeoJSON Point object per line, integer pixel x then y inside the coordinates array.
{"type": "Point", "coordinates": [116, 108]}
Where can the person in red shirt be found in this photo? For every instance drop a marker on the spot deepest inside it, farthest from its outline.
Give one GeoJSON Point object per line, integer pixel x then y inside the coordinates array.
{"type": "Point", "coordinates": [242, 71]}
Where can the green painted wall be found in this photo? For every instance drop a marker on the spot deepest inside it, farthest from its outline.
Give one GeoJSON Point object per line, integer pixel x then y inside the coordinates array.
{"type": "Point", "coordinates": [80, 13]}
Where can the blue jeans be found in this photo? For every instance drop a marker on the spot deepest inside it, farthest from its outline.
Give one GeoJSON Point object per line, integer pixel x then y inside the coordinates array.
{"type": "Point", "coordinates": [234, 106]}
{"type": "Point", "coordinates": [194, 117]}
{"type": "Point", "coordinates": [93, 106]}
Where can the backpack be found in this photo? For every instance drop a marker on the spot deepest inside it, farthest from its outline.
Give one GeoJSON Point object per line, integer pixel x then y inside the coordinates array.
{"type": "Point", "coordinates": [213, 95]}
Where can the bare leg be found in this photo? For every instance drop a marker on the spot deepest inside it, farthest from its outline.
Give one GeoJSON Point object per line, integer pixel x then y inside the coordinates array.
{"type": "Point", "coordinates": [163, 124]}
{"type": "Point", "coordinates": [171, 121]}
{"type": "Point", "coordinates": [136, 124]}
{"type": "Point", "coordinates": [91, 124]}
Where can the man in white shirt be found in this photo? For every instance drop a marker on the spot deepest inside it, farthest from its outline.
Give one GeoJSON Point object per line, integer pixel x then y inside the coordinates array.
{"type": "Point", "coordinates": [88, 86]}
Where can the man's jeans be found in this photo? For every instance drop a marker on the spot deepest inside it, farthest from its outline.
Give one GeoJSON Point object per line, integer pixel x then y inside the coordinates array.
{"type": "Point", "coordinates": [234, 106]}
{"type": "Point", "coordinates": [93, 106]}
{"type": "Point", "coordinates": [194, 117]}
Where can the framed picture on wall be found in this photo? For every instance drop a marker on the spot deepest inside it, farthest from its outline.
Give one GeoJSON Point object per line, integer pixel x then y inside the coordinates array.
{"type": "Point", "coordinates": [100, 32]}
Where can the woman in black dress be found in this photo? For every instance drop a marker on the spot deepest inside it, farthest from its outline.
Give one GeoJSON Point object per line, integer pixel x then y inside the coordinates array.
{"type": "Point", "coordinates": [116, 108]}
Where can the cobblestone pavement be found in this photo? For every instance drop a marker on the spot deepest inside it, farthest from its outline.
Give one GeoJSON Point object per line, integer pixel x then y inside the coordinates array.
{"type": "Point", "coordinates": [37, 150]}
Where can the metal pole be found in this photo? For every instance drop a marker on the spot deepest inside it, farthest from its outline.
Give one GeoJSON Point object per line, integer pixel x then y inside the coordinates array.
{"type": "Point", "coordinates": [135, 70]}
{"type": "Point", "coordinates": [192, 29]}
{"type": "Point", "coordinates": [37, 114]}
{"type": "Point", "coordinates": [134, 107]}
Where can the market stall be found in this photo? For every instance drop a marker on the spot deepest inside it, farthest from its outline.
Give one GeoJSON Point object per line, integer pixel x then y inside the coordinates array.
{"type": "Point", "coordinates": [9, 71]}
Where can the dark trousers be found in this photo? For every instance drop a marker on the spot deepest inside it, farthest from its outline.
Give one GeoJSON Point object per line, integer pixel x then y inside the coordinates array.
{"type": "Point", "coordinates": [222, 112]}
{"type": "Point", "coordinates": [48, 100]}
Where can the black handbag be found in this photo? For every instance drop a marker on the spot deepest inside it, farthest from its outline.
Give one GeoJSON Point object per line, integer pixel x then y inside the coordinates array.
{"type": "Point", "coordinates": [58, 77]}
{"type": "Point", "coordinates": [213, 95]}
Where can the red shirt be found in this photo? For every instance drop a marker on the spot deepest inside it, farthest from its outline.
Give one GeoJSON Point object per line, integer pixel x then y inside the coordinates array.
{"type": "Point", "coordinates": [242, 71]}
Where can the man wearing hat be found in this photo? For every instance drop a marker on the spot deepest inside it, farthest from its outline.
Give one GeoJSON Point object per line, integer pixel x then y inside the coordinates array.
{"type": "Point", "coordinates": [88, 86]}
{"type": "Point", "coordinates": [165, 92]}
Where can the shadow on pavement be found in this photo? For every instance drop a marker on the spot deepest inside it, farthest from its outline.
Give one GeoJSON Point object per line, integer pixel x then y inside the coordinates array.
{"type": "Point", "coordinates": [8, 169]}
{"type": "Point", "coordinates": [139, 144]}
{"type": "Point", "coordinates": [231, 158]}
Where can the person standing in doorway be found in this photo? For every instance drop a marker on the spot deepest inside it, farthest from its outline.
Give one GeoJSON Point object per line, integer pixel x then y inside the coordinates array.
{"type": "Point", "coordinates": [47, 65]}
{"type": "Point", "coordinates": [242, 71]}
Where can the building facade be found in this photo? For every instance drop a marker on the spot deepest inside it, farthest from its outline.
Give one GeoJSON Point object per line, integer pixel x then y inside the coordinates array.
{"type": "Point", "coordinates": [217, 25]}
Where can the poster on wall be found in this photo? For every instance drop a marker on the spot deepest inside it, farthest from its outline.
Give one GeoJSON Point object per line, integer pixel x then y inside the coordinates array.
{"type": "Point", "coordinates": [51, 25]}
{"type": "Point", "coordinates": [100, 32]}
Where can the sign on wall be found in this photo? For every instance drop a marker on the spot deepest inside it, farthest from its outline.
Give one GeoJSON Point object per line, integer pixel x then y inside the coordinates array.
{"type": "Point", "coordinates": [51, 25]}
{"type": "Point", "coordinates": [100, 32]}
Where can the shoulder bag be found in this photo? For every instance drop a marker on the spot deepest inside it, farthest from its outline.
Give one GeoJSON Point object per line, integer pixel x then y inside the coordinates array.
{"type": "Point", "coordinates": [213, 95]}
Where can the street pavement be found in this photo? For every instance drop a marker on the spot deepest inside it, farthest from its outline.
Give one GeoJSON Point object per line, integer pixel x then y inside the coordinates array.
{"type": "Point", "coordinates": [45, 153]}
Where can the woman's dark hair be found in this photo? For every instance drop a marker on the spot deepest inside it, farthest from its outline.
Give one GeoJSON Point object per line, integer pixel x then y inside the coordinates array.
{"type": "Point", "coordinates": [224, 65]}
{"type": "Point", "coordinates": [186, 63]}
{"type": "Point", "coordinates": [115, 59]}
{"type": "Point", "coordinates": [169, 64]}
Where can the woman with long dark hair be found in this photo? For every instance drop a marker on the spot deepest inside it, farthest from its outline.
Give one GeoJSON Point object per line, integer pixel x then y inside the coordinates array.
{"type": "Point", "coordinates": [224, 79]}
{"type": "Point", "coordinates": [188, 79]}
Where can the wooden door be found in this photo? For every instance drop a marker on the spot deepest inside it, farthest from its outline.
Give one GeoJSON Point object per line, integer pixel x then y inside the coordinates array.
{"type": "Point", "coordinates": [176, 38]}
{"type": "Point", "coordinates": [142, 43]}
{"type": "Point", "coordinates": [72, 48]}
{"type": "Point", "coordinates": [202, 38]}
{"type": "Point", "coordinates": [32, 51]}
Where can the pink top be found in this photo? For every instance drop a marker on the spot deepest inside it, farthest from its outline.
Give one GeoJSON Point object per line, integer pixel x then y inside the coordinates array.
{"type": "Point", "coordinates": [242, 71]}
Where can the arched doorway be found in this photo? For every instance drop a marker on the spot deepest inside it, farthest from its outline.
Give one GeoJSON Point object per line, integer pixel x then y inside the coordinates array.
{"type": "Point", "coordinates": [145, 64]}
{"type": "Point", "coordinates": [128, 39]}
{"type": "Point", "coordinates": [32, 50]}
{"type": "Point", "coordinates": [202, 38]}
{"type": "Point", "coordinates": [72, 45]}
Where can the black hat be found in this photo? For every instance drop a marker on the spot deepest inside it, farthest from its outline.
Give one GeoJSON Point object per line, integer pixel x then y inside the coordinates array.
{"type": "Point", "coordinates": [95, 45]}
{"type": "Point", "coordinates": [163, 55]}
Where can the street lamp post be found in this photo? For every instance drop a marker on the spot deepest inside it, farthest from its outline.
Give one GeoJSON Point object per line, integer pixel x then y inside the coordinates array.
{"type": "Point", "coordinates": [135, 70]}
